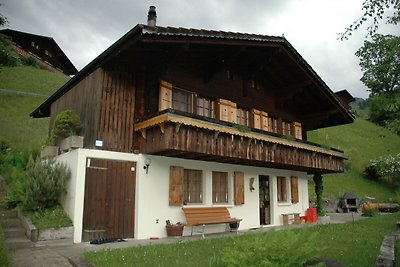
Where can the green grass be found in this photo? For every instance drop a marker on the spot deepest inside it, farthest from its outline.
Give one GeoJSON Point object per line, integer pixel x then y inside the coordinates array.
{"type": "Point", "coordinates": [351, 244]}
{"type": "Point", "coordinates": [4, 260]}
{"type": "Point", "coordinates": [362, 141]}
{"type": "Point", "coordinates": [31, 79]}
{"type": "Point", "coordinates": [18, 129]}
{"type": "Point", "coordinates": [50, 218]}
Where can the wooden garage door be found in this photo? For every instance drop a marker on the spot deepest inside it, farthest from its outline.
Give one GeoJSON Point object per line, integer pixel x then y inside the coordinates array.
{"type": "Point", "coordinates": [109, 209]}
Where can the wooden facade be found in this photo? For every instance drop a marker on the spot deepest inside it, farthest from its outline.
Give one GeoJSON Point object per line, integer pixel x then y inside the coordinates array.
{"type": "Point", "coordinates": [243, 99]}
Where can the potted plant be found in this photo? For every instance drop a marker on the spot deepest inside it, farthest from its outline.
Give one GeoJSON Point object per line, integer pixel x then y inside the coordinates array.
{"type": "Point", "coordinates": [174, 229]}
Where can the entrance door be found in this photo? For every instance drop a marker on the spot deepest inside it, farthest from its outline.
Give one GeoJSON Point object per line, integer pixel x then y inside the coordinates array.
{"type": "Point", "coordinates": [109, 208]}
{"type": "Point", "coordinates": [265, 202]}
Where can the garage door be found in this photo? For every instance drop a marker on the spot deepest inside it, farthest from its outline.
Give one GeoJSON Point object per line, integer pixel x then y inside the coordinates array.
{"type": "Point", "coordinates": [109, 208]}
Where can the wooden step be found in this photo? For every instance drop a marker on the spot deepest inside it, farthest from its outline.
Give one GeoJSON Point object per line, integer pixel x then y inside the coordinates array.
{"type": "Point", "coordinates": [14, 232]}
{"type": "Point", "coordinates": [18, 242]}
{"type": "Point", "coordinates": [8, 214]}
{"type": "Point", "coordinates": [10, 223]}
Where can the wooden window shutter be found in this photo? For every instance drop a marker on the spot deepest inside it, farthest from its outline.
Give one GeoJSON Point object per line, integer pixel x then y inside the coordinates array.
{"type": "Point", "coordinates": [239, 188]}
{"type": "Point", "coordinates": [255, 118]}
{"type": "Point", "coordinates": [175, 186]}
{"type": "Point", "coordinates": [165, 98]}
{"type": "Point", "coordinates": [294, 188]}
{"type": "Point", "coordinates": [297, 130]}
{"type": "Point", "coordinates": [264, 121]}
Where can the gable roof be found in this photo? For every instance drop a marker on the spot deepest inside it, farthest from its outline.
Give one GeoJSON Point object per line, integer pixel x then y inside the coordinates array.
{"type": "Point", "coordinates": [58, 58]}
{"type": "Point", "coordinates": [143, 34]}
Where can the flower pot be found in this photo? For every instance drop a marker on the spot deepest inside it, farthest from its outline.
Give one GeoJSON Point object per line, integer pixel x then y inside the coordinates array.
{"type": "Point", "coordinates": [174, 230]}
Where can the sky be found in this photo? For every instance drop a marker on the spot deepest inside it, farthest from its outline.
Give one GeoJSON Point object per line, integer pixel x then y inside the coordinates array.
{"type": "Point", "coordinates": [84, 28]}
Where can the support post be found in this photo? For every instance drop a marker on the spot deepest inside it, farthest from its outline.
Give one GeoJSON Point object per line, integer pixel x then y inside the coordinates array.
{"type": "Point", "coordinates": [319, 188]}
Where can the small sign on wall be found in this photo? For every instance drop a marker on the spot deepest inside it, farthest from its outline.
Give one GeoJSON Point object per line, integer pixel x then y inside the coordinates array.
{"type": "Point", "coordinates": [99, 143]}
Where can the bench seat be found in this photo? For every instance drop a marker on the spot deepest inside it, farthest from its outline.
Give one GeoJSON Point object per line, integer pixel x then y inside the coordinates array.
{"type": "Point", "coordinates": [208, 215]}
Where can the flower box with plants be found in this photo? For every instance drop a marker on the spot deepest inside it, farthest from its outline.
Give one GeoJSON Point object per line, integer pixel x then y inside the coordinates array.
{"type": "Point", "coordinates": [174, 229]}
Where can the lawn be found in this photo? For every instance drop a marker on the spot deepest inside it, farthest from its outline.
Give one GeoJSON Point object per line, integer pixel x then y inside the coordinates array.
{"type": "Point", "coordinates": [362, 141]}
{"type": "Point", "coordinates": [351, 244]}
{"type": "Point", "coordinates": [18, 129]}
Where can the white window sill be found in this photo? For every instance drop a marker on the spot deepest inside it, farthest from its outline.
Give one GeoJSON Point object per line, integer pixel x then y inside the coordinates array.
{"type": "Point", "coordinates": [284, 204]}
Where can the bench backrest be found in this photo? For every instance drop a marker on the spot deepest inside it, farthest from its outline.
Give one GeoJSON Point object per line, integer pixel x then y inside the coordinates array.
{"type": "Point", "coordinates": [194, 215]}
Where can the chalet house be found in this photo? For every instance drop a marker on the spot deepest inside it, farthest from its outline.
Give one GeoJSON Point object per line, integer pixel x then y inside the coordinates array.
{"type": "Point", "coordinates": [43, 49]}
{"type": "Point", "coordinates": [177, 117]}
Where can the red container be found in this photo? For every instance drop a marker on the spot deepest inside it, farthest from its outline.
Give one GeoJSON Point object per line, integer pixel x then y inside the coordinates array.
{"type": "Point", "coordinates": [311, 215]}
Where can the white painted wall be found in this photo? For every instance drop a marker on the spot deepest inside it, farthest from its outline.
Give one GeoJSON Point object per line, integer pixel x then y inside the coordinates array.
{"type": "Point", "coordinates": [152, 195]}
{"type": "Point", "coordinates": [152, 189]}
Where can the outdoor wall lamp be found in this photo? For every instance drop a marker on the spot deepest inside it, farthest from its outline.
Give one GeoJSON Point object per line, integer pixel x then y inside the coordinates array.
{"type": "Point", "coordinates": [147, 163]}
{"type": "Point", "coordinates": [251, 184]}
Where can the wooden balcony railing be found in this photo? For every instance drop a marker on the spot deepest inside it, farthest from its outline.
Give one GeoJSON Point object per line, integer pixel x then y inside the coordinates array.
{"type": "Point", "coordinates": [186, 136]}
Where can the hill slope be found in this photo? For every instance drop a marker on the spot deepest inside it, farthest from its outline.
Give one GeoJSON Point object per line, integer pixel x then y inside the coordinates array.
{"type": "Point", "coordinates": [362, 141]}
{"type": "Point", "coordinates": [17, 128]}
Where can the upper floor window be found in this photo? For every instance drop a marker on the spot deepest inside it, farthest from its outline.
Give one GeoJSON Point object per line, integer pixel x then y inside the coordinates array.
{"type": "Point", "coordinates": [192, 186]}
{"type": "Point", "coordinates": [220, 187]}
{"type": "Point", "coordinates": [205, 107]}
{"type": "Point", "coordinates": [48, 53]}
{"type": "Point", "coordinates": [242, 116]}
{"type": "Point", "coordinates": [286, 128]}
{"type": "Point", "coordinates": [181, 100]}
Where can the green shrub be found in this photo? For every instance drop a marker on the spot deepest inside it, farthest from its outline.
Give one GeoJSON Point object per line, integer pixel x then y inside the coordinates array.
{"type": "Point", "coordinates": [4, 260]}
{"type": "Point", "coordinates": [45, 183]}
{"type": "Point", "coordinates": [29, 61]}
{"type": "Point", "coordinates": [388, 167]}
{"type": "Point", "coordinates": [283, 248]}
{"type": "Point", "coordinates": [67, 123]}
{"type": "Point", "coordinates": [7, 56]}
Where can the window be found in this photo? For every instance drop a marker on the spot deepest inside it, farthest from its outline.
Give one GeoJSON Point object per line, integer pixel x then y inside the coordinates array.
{"type": "Point", "coordinates": [286, 128]}
{"type": "Point", "coordinates": [181, 100]}
{"type": "Point", "coordinates": [242, 116]}
{"type": "Point", "coordinates": [282, 189]}
{"type": "Point", "coordinates": [220, 187]}
{"type": "Point", "coordinates": [48, 53]}
{"type": "Point", "coordinates": [205, 107]}
{"type": "Point", "coordinates": [192, 186]}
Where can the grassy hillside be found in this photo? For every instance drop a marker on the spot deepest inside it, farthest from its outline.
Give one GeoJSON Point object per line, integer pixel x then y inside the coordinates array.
{"type": "Point", "coordinates": [17, 128]}
{"type": "Point", "coordinates": [361, 141]}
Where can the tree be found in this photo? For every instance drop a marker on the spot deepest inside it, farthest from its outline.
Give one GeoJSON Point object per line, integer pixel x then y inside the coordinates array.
{"type": "Point", "coordinates": [385, 110]}
{"type": "Point", "coordinates": [374, 9]}
{"type": "Point", "coordinates": [380, 63]}
{"type": "Point", "coordinates": [3, 19]}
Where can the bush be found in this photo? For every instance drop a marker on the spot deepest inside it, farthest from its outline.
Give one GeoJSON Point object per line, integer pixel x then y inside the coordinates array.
{"type": "Point", "coordinates": [45, 183]}
{"type": "Point", "coordinates": [388, 167]}
{"type": "Point", "coordinates": [29, 61]}
{"type": "Point", "coordinates": [283, 248]}
{"type": "Point", "coordinates": [67, 123]}
{"type": "Point", "coordinates": [7, 56]}
{"type": "Point", "coordinates": [371, 172]}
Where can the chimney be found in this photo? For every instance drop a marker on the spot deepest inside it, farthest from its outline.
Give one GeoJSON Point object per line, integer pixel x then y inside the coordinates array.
{"type": "Point", "coordinates": [152, 16]}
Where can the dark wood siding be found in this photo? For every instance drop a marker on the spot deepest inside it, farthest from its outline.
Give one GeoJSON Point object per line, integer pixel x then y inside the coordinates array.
{"type": "Point", "coordinates": [109, 208]}
{"type": "Point", "coordinates": [115, 126]}
{"type": "Point", "coordinates": [105, 102]}
{"type": "Point", "coordinates": [84, 99]}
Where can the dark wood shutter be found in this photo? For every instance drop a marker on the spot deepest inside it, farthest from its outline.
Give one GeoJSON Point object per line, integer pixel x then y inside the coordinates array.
{"type": "Point", "coordinates": [239, 188]}
{"type": "Point", "coordinates": [294, 187]}
{"type": "Point", "coordinates": [175, 186]}
{"type": "Point", "coordinates": [165, 98]}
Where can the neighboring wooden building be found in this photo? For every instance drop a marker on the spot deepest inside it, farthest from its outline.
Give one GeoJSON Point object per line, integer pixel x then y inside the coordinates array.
{"type": "Point", "coordinates": [345, 97]}
{"type": "Point", "coordinates": [179, 117]}
{"type": "Point", "coordinates": [43, 49]}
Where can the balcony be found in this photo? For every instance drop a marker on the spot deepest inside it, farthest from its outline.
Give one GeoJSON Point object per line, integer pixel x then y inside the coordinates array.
{"type": "Point", "coordinates": [177, 134]}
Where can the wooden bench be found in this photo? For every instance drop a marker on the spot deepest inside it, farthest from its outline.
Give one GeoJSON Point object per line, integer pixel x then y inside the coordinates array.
{"type": "Point", "coordinates": [205, 216]}
{"type": "Point", "coordinates": [296, 218]}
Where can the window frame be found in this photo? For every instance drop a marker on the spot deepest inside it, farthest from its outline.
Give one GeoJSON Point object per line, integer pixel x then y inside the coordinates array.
{"type": "Point", "coordinates": [202, 110]}
{"type": "Point", "coordinates": [193, 186]}
{"type": "Point", "coordinates": [220, 197]}
{"type": "Point", "coordinates": [283, 190]}
{"type": "Point", "coordinates": [181, 104]}
{"type": "Point", "coordinates": [242, 116]}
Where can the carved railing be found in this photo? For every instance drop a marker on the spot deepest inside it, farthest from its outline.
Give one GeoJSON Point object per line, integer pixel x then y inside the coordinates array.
{"type": "Point", "coordinates": [177, 135]}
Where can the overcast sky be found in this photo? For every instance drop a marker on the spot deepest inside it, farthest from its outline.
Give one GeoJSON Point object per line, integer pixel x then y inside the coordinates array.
{"type": "Point", "coordinates": [84, 29]}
